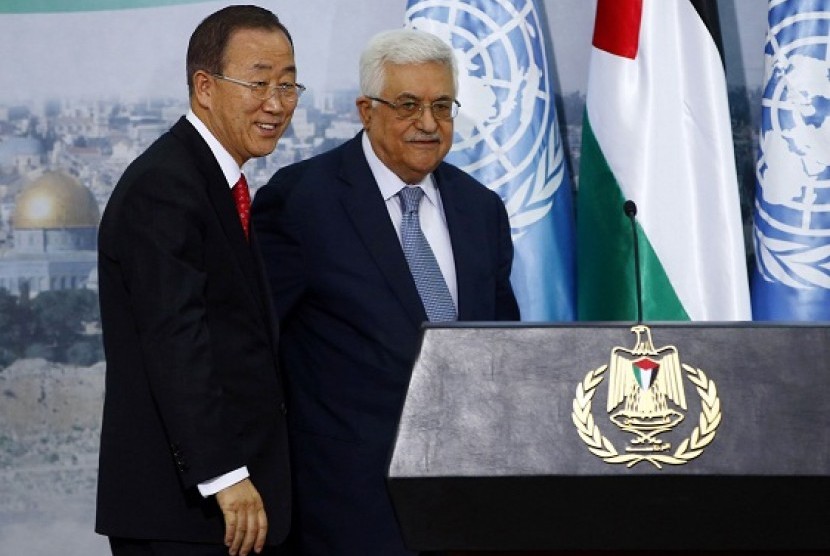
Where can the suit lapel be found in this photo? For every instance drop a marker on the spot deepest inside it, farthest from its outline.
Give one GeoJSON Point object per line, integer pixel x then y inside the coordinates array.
{"type": "Point", "coordinates": [223, 205]}
{"type": "Point", "coordinates": [462, 238]}
{"type": "Point", "coordinates": [367, 211]}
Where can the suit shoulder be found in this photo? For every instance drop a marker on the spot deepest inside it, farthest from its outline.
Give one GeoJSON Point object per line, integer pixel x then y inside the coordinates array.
{"type": "Point", "coordinates": [448, 171]}
{"type": "Point", "coordinates": [319, 170]}
{"type": "Point", "coordinates": [163, 167]}
{"type": "Point", "coordinates": [320, 163]}
{"type": "Point", "coordinates": [166, 154]}
{"type": "Point", "coordinates": [466, 183]}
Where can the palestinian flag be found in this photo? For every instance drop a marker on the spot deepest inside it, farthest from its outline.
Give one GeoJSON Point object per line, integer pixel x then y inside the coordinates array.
{"type": "Point", "coordinates": [657, 132]}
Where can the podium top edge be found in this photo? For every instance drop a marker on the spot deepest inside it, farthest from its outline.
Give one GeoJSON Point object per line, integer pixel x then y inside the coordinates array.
{"type": "Point", "coordinates": [624, 324]}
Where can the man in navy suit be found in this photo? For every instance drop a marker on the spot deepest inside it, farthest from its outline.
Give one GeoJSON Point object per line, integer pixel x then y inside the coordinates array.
{"type": "Point", "coordinates": [350, 311]}
{"type": "Point", "coordinates": [194, 449]}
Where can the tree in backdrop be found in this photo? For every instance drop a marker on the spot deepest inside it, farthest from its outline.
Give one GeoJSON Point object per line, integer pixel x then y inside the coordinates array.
{"type": "Point", "coordinates": [54, 326]}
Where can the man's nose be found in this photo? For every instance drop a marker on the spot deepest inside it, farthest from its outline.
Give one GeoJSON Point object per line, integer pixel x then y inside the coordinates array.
{"type": "Point", "coordinates": [427, 121]}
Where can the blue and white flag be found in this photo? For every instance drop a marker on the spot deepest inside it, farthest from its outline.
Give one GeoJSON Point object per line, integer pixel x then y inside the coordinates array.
{"type": "Point", "coordinates": [506, 135]}
{"type": "Point", "coordinates": [792, 207]}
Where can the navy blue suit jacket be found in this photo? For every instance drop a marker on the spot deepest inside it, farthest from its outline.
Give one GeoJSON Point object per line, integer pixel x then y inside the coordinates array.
{"type": "Point", "coordinates": [350, 329]}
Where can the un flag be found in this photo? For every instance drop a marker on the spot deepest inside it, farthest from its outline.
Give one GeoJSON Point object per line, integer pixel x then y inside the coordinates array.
{"type": "Point", "coordinates": [507, 136]}
{"type": "Point", "coordinates": [791, 230]}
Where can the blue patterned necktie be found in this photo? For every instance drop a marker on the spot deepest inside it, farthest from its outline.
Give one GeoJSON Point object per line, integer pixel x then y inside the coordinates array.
{"type": "Point", "coordinates": [425, 270]}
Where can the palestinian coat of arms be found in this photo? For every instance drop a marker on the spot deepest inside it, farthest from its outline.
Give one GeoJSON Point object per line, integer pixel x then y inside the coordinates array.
{"type": "Point", "coordinates": [646, 400]}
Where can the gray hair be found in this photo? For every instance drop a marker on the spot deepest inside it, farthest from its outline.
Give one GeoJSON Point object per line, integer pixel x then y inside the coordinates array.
{"type": "Point", "coordinates": [401, 46]}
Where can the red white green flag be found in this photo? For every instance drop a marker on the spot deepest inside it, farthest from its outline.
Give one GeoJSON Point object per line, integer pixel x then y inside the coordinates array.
{"type": "Point", "coordinates": [657, 132]}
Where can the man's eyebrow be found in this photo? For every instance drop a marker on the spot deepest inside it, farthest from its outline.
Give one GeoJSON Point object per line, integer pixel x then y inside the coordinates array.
{"type": "Point", "coordinates": [413, 96]}
{"type": "Point", "coordinates": [266, 66]}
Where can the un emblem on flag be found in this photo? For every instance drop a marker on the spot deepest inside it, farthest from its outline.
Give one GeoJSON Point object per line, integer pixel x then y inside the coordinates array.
{"type": "Point", "coordinates": [792, 223]}
{"type": "Point", "coordinates": [506, 132]}
{"type": "Point", "coordinates": [646, 401]}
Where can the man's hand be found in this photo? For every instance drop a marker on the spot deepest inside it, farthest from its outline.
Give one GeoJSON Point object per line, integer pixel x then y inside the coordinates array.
{"type": "Point", "coordinates": [245, 521]}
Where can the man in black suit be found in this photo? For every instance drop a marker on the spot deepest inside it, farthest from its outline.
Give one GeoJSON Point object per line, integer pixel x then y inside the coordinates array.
{"type": "Point", "coordinates": [194, 456]}
{"type": "Point", "coordinates": [334, 232]}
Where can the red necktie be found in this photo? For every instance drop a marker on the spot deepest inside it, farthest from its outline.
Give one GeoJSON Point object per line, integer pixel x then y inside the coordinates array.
{"type": "Point", "coordinates": [243, 203]}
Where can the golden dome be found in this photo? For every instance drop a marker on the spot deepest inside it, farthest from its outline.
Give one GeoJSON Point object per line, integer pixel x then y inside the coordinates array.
{"type": "Point", "coordinates": [55, 201]}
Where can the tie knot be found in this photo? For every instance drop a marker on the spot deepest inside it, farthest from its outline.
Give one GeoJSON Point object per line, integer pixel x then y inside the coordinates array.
{"type": "Point", "coordinates": [411, 198]}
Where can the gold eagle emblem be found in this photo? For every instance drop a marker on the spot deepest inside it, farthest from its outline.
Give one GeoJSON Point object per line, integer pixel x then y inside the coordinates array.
{"type": "Point", "coordinates": [647, 379]}
{"type": "Point", "coordinates": [646, 398]}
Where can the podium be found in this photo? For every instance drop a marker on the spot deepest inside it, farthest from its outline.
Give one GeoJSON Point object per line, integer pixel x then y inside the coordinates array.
{"type": "Point", "coordinates": [510, 439]}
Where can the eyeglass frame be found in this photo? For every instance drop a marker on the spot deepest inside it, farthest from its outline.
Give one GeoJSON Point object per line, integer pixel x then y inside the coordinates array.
{"type": "Point", "coordinates": [454, 106]}
{"type": "Point", "coordinates": [282, 89]}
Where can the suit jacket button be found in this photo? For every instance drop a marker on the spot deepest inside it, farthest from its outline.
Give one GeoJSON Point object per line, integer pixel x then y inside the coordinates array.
{"type": "Point", "coordinates": [283, 409]}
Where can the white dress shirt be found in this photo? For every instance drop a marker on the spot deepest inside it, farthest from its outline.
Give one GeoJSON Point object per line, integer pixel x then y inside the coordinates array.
{"type": "Point", "coordinates": [430, 213]}
{"type": "Point", "coordinates": [229, 166]}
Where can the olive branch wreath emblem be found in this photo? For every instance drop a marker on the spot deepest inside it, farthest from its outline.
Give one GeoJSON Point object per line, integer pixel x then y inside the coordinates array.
{"type": "Point", "coordinates": [690, 448]}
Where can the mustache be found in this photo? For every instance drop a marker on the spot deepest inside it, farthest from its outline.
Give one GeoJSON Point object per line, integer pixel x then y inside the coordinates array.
{"type": "Point", "coordinates": [420, 136]}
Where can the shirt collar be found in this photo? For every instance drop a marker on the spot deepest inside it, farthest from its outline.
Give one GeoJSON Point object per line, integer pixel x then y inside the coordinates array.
{"type": "Point", "coordinates": [388, 182]}
{"type": "Point", "coordinates": [229, 166]}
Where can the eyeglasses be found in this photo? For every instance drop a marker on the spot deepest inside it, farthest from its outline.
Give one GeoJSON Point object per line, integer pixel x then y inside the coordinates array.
{"type": "Point", "coordinates": [413, 110]}
{"type": "Point", "coordinates": [289, 92]}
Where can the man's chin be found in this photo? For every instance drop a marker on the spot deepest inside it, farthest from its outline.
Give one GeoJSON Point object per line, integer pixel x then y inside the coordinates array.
{"type": "Point", "coordinates": [265, 148]}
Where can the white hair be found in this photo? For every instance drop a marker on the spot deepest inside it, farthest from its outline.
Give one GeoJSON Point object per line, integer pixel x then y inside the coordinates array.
{"type": "Point", "coordinates": [400, 47]}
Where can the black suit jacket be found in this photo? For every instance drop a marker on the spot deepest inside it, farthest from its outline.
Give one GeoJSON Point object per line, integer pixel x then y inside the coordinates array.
{"type": "Point", "coordinates": [192, 383]}
{"type": "Point", "coordinates": [351, 329]}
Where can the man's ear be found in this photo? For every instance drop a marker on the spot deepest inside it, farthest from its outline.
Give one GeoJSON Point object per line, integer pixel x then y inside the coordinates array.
{"type": "Point", "coordinates": [203, 88]}
{"type": "Point", "coordinates": [364, 109]}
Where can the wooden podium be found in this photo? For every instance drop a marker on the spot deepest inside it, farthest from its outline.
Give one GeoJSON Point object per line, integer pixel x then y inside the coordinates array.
{"type": "Point", "coordinates": [509, 439]}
